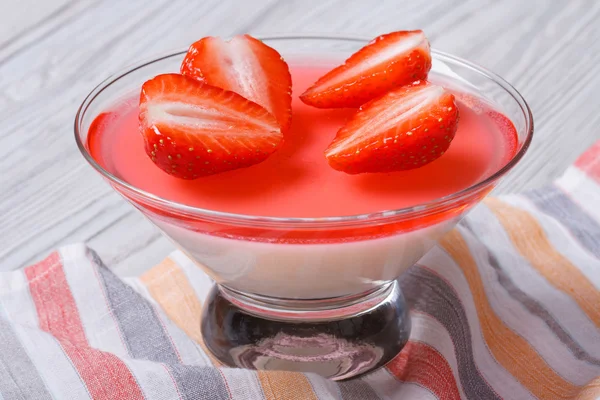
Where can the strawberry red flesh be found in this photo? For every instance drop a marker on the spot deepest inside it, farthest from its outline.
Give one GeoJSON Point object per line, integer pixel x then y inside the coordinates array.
{"type": "Point", "coordinates": [404, 129]}
{"type": "Point", "coordinates": [192, 129]}
{"type": "Point", "coordinates": [247, 66]}
{"type": "Point", "coordinates": [387, 62]}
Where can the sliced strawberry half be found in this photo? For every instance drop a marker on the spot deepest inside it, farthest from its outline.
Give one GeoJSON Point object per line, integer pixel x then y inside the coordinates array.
{"type": "Point", "coordinates": [405, 129]}
{"type": "Point", "coordinates": [192, 129]}
{"type": "Point", "coordinates": [389, 61]}
{"type": "Point", "coordinates": [247, 66]}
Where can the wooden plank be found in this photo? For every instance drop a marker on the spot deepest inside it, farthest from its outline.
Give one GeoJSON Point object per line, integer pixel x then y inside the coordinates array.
{"type": "Point", "coordinates": [52, 57]}
{"type": "Point", "coordinates": [21, 16]}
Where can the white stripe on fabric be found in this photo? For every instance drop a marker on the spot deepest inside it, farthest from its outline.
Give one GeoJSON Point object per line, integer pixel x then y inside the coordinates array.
{"type": "Point", "coordinates": [100, 326]}
{"type": "Point", "coordinates": [16, 299]}
{"type": "Point", "coordinates": [561, 239]}
{"type": "Point", "coordinates": [59, 374]}
{"type": "Point", "coordinates": [559, 304]}
{"type": "Point", "coordinates": [430, 331]}
{"type": "Point", "coordinates": [409, 390]}
{"type": "Point", "coordinates": [154, 379]}
{"type": "Point", "coordinates": [582, 189]}
{"type": "Point", "coordinates": [243, 384]}
{"type": "Point", "coordinates": [200, 281]}
{"type": "Point", "coordinates": [503, 383]}
{"type": "Point", "coordinates": [383, 383]}
{"type": "Point", "coordinates": [536, 332]}
{"type": "Point", "coordinates": [140, 288]}
{"type": "Point", "coordinates": [388, 387]}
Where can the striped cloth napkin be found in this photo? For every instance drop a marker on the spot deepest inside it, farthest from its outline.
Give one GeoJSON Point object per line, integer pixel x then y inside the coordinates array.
{"type": "Point", "coordinates": [507, 306]}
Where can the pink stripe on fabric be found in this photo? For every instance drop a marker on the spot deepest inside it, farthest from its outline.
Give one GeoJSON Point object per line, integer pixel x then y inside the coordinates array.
{"type": "Point", "coordinates": [104, 374]}
{"type": "Point", "coordinates": [57, 312]}
{"type": "Point", "coordinates": [96, 317]}
{"type": "Point", "coordinates": [589, 162]}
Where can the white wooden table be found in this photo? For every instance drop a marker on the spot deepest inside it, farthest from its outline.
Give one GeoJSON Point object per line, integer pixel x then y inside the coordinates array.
{"type": "Point", "coordinates": [53, 52]}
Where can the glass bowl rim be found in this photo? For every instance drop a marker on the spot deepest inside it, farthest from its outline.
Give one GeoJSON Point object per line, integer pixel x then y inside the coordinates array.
{"type": "Point", "coordinates": [430, 206]}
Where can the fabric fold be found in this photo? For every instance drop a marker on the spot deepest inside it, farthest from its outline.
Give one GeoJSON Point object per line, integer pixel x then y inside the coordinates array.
{"type": "Point", "coordinates": [507, 306]}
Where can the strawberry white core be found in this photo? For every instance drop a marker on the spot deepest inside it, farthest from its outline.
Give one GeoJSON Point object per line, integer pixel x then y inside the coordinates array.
{"type": "Point", "coordinates": [241, 65]}
{"type": "Point", "coordinates": [390, 111]}
{"type": "Point", "coordinates": [218, 119]}
{"type": "Point", "coordinates": [394, 49]}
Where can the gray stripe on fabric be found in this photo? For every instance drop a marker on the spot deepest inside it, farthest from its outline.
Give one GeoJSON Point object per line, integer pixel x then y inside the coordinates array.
{"type": "Point", "coordinates": [429, 294]}
{"type": "Point", "coordinates": [554, 202]}
{"type": "Point", "coordinates": [533, 306]}
{"type": "Point", "coordinates": [19, 379]}
{"type": "Point", "coordinates": [199, 383]}
{"type": "Point", "coordinates": [144, 334]}
{"type": "Point", "coordinates": [357, 390]}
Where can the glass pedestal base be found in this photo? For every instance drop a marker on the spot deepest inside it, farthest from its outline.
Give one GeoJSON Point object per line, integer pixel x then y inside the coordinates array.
{"type": "Point", "coordinates": [336, 338]}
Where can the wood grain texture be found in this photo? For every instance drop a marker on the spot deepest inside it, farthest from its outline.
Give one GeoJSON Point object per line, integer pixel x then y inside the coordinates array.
{"type": "Point", "coordinates": [51, 58]}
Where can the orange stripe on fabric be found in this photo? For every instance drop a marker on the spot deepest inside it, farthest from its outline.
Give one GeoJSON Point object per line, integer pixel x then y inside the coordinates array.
{"type": "Point", "coordinates": [423, 365]}
{"type": "Point", "coordinates": [169, 286]}
{"type": "Point", "coordinates": [591, 391]}
{"type": "Point", "coordinates": [530, 240]}
{"type": "Point", "coordinates": [512, 351]}
{"type": "Point", "coordinates": [283, 385]}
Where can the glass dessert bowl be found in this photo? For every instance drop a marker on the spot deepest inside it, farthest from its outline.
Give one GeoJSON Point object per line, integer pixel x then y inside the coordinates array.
{"type": "Point", "coordinates": [316, 293]}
